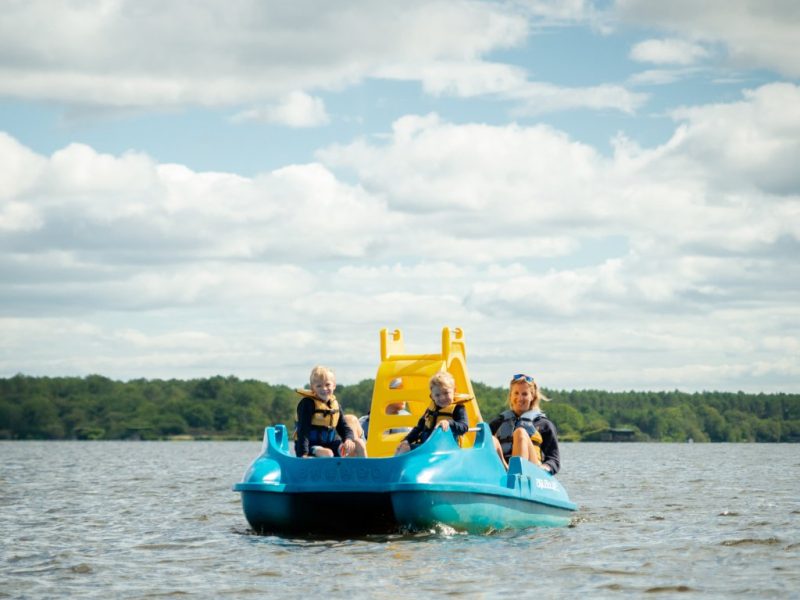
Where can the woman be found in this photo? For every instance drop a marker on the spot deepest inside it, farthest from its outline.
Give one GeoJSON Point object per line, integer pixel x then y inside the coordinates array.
{"type": "Point", "coordinates": [524, 430]}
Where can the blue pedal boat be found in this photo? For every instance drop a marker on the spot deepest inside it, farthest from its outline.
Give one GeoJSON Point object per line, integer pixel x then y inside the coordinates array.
{"type": "Point", "coordinates": [440, 482]}
{"type": "Point", "coordinates": [436, 483]}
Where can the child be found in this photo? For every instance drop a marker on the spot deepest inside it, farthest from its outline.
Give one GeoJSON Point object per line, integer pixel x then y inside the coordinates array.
{"type": "Point", "coordinates": [442, 413]}
{"type": "Point", "coordinates": [320, 419]}
{"type": "Point", "coordinates": [524, 430]}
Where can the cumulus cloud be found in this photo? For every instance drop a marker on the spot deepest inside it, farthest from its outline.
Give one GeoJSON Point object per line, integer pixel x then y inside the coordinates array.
{"type": "Point", "coordinates": [133, 208]}
{"type": "Point", "coordinates": [19, 169]}
{"type": "Point", "coordinates": [754, 142]}
{"type": "Point", "coordinates": [538, 98]}
{"type": "Point", "coordinates": [459, 78]}
{"type": "Point", "coordinates": [668, 51]}
{"type": "Point", "coordinates": [276, 59]}
{"type": "Point", "coordinates": [508, 82]}
{"type": "Point", "coordinates": [430, 165]}
{"type": "Point", "coordinates": [297, 109]}
{"type": "Point", "coordinates": [756, 33]}
{"type": "Point", "coordinates": [504, 230]}
{"type": "Point", "coordinates": [211, 53]}
{"type": "Point", "coordinates": [661, 76]}
{"type": "Point", "coordinates": [705, 232]}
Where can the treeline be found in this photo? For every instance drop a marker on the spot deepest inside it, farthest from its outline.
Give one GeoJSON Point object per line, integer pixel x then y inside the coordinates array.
{"type": "Point", "coordinates": [95, 407]}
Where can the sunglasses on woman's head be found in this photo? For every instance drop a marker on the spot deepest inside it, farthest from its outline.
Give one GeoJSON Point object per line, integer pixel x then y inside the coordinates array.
{"type": "Point", "coordinates": [522, 376]}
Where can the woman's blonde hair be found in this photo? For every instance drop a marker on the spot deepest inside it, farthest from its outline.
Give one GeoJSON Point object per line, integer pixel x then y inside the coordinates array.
{"type": "Point", "coordinates": [442, 379]}
{"type": "Point", "coordinates": [319, 373]}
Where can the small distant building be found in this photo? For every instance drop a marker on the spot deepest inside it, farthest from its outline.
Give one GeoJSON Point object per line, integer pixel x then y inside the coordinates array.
{"type": "Point", "coordinates": [612, 434]}
{"type": "Point", "coordinates": [622, 435]}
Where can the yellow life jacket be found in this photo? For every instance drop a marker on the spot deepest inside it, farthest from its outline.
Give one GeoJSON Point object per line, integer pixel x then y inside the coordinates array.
{"type": "Point", "coordinates": [326, 414]}
{"type": "Point", "coordinates": [434, 414]}
{"type": "Point", "coordinates": [536, 440]}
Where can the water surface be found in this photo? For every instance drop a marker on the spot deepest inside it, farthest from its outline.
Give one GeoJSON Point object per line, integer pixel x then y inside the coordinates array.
{"type": "Point", "coordinates": [149, 519]}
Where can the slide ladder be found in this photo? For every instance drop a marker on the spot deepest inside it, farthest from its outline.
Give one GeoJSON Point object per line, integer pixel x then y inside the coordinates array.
{"type": "Point", "coordinates": [404, 378]}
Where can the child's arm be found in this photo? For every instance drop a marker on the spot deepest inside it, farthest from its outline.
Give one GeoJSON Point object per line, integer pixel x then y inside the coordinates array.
{"type": "Point", "coordinates": [305, 410]}
{"type": "Point", "coordinates": [459, 423]}
{"type": "Point", "coordinates": [415, 432]}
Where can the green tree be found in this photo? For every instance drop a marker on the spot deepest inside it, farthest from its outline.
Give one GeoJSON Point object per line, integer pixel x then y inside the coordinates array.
{"type": "Point", "coordinates": [569, 419]}
{"type": "Point", "coordinates": [97, 407]}
{"type": "Point", "coordinates": [40, 419]}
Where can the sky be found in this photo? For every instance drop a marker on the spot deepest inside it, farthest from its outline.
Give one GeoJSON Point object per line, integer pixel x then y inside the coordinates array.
{"type": "Point", "coordinates": [603, 195]}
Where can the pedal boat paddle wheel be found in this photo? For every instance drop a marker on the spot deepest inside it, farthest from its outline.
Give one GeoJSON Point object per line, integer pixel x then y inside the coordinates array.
{"type": "Point", "coordinates": [462, 486]}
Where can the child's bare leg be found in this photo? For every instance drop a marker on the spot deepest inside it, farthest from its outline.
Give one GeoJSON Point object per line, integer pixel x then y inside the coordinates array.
{"type": "Point", "coordinates": [321, 452]}
{"type": "Point", "coordinates": [352, 423]}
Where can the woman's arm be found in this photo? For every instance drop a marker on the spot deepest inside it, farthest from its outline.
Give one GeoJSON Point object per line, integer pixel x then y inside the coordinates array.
{"type": "Point", "coordinates": [550, 454]}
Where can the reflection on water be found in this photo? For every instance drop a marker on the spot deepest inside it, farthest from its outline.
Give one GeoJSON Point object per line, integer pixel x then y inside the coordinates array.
{"type": "Point", "coordinates": [136, 519]}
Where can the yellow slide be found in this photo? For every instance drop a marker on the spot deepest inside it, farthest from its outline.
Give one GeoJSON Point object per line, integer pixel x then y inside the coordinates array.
{"type": "Point", "coordinates": [404, 378]}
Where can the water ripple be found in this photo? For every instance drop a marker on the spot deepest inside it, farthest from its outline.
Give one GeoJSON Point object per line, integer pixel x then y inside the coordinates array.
{"type": "Point", "coordinates": [144, 520]}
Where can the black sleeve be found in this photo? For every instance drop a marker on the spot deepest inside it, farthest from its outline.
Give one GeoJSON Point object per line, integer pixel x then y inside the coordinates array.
{"type": "Point", "coordinates": [459, 423]}
{"type": "Point", "coordinates": [343, 429]}
{"type": "Point", "coordinates": [550, 453]}
{"type": "Point", "coordinates": [414, 434]}
{"type": "Point", "coordinates": [305, 410]}
{"type": "Point", "coordinates": [495, 423]}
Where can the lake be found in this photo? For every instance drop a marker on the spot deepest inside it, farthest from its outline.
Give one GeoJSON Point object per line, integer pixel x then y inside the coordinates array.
{"type": "Point", "coordinates": [149, 519]}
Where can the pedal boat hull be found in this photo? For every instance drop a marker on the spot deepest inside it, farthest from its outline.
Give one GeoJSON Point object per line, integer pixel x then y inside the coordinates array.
{"type": "Point", "coordinates": [437, 483]}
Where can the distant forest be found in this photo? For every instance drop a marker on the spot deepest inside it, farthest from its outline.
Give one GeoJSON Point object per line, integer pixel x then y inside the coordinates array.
{"type": "Point", "coordinates": [98, 408]}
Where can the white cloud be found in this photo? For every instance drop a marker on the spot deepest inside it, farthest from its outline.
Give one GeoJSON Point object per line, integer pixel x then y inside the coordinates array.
{"type": "Point", "coordinates": [754, 142]}
{"type": "Point", "coordinates": [16, 216]}
{"type": "Point", "coordinates": [661, 76]}
{"type": "Point", "coordinates": [209, 53]}
{"type": "Point", "coordinates": [19, 169]}
{"type": "Point", "coordinates": [157, 269]}
{"type": "Point", "coordinates": [668, 51]}
{"type": "Point", "coordinates": [297, 109]}
{"type": "Point", "coordinates": [130, 208]}
{"type": "Point", "coordinates": [756, 33]}
{"type": "Point", "coordinates": [538, 98]}
{"type": "Point", "coordinates": [430, 165]}
{"type": "Point", "coordinates": [459, 78]}
{"type": "Point", "coordinates": [270, 57]}
{"type": "Point", "coordinates": [507, 82]}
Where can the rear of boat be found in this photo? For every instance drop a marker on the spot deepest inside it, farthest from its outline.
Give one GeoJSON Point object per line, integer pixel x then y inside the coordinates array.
{"type": "Point", "coordinates": [285, 494]}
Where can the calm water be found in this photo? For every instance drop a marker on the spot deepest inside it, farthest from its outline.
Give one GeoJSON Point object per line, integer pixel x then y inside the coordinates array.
{"type": "Point", "coordinates": [149, 519]}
